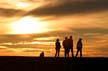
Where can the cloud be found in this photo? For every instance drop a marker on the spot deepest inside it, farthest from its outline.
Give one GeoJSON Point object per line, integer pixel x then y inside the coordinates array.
{"type": "Point", "coordinates": [4, 12]}
{"type": "Point", "coordinates": [91, 30]}
{"type": "Point", "coordinates": [86, 33]}
{"type": "Point", "coordinates": [70, 7]}
{"type": "Point", "coordinates": [14, 38]}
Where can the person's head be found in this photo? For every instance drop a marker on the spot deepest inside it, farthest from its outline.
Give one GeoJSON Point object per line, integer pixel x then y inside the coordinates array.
{"type": "Point", "coordinates": [66, 38]}
{"type": "Point", "coordinates": [80, 39]}
{"type": "Point", "coordinates": [42, 52]}
{"type": "Point", "coordinates": [70, 37]}
{"type": "Point", "coordinates": [57, 39]}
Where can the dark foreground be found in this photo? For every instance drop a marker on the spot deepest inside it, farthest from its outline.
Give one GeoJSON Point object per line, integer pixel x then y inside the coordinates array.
{"type": "Point", "coordinates": [16, 63]}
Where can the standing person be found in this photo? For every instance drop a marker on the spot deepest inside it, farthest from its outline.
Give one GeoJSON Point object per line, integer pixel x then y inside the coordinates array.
{"type": "Point", "coordinates": [79, 47]}
{"type": "Point", "coordinates": [57, 47]}
{"type": "Point", "coordinates": [70, 43]}
{"type": "Point", "coordinates": [65, 46]}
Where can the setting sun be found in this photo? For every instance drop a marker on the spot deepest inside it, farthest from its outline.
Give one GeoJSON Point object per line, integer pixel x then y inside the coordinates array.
{"type": "Point", "coordinates": [28, 25]}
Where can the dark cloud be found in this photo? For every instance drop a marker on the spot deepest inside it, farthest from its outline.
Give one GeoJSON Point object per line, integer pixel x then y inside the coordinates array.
{"type": "Point", "coordinates": [10, 12]}
{"type": "Point", "coordinates": [70, 7]}
{"type": "Point", "coordinates": [75, 32]}
{"type": "Point", "coordinates": [91, 33]}
{"type": "Point", "coordinates": [55, 34]}
{"type": "Point", "coordinates": [14, 38]}
{"type": "Point", "coordinates": [91, 30]}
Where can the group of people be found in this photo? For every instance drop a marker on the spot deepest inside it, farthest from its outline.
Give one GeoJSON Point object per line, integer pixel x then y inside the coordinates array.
{"type": "Point", "coordinates": [68, 47]}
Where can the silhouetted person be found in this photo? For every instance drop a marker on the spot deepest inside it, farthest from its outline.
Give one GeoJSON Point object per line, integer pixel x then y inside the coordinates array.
{"type": "Point", "coordinates": [79, 47]}
{"type": "Point", "coordinates": [57, 47]}
{"type": "Point", "coordinates": [65, 46]}
{"type": "Point", "coordinates": [42, 54]}
{"type": "Point", "coordinates": [70, 45]}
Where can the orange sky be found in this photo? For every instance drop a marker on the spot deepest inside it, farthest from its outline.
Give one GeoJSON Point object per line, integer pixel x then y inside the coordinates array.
{"type": "Point", "coordinates": [42, 21]}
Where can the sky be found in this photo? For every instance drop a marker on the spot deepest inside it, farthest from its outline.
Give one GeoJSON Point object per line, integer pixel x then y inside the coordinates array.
{"type": "Point", "coordinates": [31, 26]}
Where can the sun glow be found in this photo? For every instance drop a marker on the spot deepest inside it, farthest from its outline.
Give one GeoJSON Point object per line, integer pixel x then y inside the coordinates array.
{"type": "Point", "coordinates": [22, 5]}
{"type": "Point", "coordinates": [27, 6]}
{"type": "Point", "coordinates": [28, 25]}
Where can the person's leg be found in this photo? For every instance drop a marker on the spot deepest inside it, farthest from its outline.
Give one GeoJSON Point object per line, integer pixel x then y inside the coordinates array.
{"type": "Point", "coordinates": [80, 52]}
{"type": "Point", "coordinates": [68, 50]}
{"type": "Point", "coordinates": [65, 52]}
{"type": "Point", "coordinates": [56, 54]}
{"type": "Point", "coordinates": [77, 52]}
{"type": "Point", "coordinates": [72, 52]}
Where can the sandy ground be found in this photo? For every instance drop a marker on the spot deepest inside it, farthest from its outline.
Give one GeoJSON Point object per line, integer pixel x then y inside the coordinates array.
{"type": "Point", "coordinates": [19, 63]}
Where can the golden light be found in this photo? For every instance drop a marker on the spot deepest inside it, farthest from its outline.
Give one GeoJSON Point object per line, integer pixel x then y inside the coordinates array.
{"type": "Point", "coordinates": [22, 5]}
{"type": "Point", "coordinates": [28, 25]}
{"type": "Point", "coordinates": [27, 6]}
